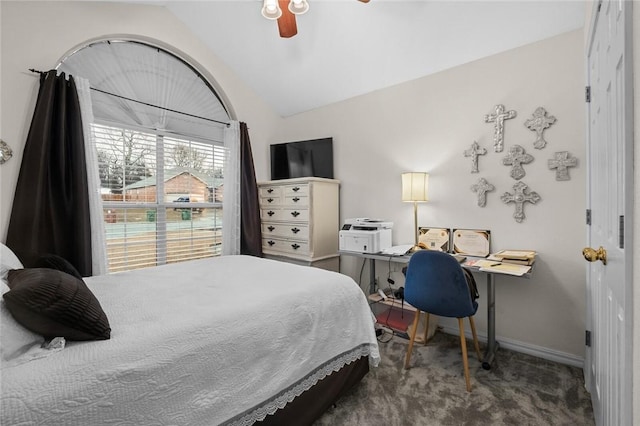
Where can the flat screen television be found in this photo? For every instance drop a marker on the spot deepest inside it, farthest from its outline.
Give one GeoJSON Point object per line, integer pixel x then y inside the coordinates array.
{"type": "Point", "coordinates": [310, 158]}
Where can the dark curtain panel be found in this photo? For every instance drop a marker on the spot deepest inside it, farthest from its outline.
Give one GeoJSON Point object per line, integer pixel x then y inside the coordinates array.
{"type": "Point", "coordinates": [50, 213]}
{"type": "Point", "coordinates": [250, 230]}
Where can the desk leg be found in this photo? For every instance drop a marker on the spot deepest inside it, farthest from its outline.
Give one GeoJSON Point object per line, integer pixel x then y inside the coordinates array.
{"type": "Point", "coordinates": [492, 345]}
{"type": "Point", "coordinates": [372, 276]}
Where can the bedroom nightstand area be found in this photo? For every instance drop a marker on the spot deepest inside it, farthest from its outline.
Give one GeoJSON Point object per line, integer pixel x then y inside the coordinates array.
{"type": "Point", "coordinates": [300, 221]}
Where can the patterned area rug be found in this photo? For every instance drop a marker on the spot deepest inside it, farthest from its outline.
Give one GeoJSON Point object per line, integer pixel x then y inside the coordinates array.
{"type": "Point", "coordinates": [519, 390]}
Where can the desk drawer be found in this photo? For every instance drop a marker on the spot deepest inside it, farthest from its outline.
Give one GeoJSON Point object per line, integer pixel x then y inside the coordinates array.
{"type": "Point", "coordinates": [297, 231]}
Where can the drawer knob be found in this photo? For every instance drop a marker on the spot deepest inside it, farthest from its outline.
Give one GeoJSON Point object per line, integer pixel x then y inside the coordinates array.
{"type": "Point", "coordinates": [271, 243]}
{"type": "Point", "coordinates": [270, 190]}
{"type": "Point", "coordinates": [296, 199]}
{"type": "Point", "coordinates": [271, 213]}
{"type": "Point", "coordinates": [295, 246]}
{"type": "Point", "coordinates": [270, 200]}
{"type": "Point", "coordinates": [295, 230]}
{"type": "Point", "coordinates": [295, 214]}
{"type": "Point", "coordinates": [271, 228]}
{"type": "Point", "coordinates": [296, 189]}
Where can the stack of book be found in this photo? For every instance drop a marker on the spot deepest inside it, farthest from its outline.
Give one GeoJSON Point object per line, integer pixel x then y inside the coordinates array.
{"type": "Point", "coordinates": [518, 257]}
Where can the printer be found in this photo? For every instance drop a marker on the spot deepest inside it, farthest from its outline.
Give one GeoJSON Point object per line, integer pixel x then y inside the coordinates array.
{"type": "Point", "coordinates": [364, 235]}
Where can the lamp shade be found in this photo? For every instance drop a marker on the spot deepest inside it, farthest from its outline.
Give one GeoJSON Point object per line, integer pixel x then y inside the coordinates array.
{"type": "Point", "coordinates": [298, 7]}
{"type": "Point", "coordinates": [271, 9]}
{"type": "Point", "coordinates": [415, 186]}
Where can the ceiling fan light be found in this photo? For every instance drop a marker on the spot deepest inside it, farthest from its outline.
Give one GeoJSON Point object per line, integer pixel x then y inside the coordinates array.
{"type": "Point", "coordinates": [271, 9]}
{"type": "Point", "coordinates": [298, 7]}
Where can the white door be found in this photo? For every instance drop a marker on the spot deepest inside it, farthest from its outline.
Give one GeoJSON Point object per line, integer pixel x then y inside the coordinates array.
{"type": "Point", "coordinates": [610, 200]}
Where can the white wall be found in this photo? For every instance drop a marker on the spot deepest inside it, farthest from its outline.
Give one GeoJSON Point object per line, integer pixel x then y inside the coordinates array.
{"type": "Point", "coordinates": [426, 124]}
{"type": "Point", "coordinates": [421, 125]}
{"type": "Point", "coordinates": [38, 34]}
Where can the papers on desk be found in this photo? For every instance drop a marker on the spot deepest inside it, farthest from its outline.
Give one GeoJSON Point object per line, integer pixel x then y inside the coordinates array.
{"type": "Point", "coordinates": [397, 250]}
{"type": "Point", "coordinates": [481, 263]}
{"type": "Point", "coordinates": [520, 257]}
{"type": "Point", "coordinates": [506, 268]}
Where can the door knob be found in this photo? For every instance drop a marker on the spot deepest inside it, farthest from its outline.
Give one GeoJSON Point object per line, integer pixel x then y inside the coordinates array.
{"type": "Point", "coordinates": [592, 255]}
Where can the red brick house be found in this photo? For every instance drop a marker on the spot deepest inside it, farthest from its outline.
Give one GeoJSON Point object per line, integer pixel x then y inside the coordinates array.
{"type": "Point", "coordinates": [180, 182]}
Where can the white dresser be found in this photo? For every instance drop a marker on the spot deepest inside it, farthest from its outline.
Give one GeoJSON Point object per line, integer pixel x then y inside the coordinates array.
{"type": "Point", "coordinates": [300, 221]}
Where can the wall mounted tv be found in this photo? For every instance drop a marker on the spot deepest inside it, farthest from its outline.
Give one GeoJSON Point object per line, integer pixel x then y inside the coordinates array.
{"type": "Point", "coordinates": [310, 158]}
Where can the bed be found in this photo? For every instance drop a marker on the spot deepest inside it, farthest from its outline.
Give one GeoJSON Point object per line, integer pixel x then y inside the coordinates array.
{"type": "Point", "coordinates": [226, 340]}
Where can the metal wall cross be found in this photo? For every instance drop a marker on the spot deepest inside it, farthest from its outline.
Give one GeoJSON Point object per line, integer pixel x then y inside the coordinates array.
{"type": "Point", "coordinates": [481, 188]}
{"type": "Point", "coordinates": [519, 197]}
{"type": "Point", "coordinates": [561, 162]}
{"type": "Point", "coordinates": [474, 152]}
{"type": "Point", "coordinates": [498, 118]}
{"type": "Point", "coordinates": [538, 123]}
{"type": "Point", "coordinates": [516, 158]}
{"type": "Point", "coordinates": [5, 152]}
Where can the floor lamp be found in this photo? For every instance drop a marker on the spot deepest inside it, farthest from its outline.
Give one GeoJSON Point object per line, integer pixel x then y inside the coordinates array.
{"type": "Point", "coordinates": [415, 188]}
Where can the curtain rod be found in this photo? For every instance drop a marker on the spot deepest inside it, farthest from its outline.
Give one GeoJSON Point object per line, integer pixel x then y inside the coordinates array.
{"type": "Point", "coordinates": [145, 103]}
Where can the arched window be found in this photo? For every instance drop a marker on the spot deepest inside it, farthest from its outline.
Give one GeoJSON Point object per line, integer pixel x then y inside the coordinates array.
{"type": "Point", "coordinates": [158, 131]}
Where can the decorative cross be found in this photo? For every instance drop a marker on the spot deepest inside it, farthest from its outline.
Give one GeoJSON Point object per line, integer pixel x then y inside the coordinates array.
{"type": "Point", "coordinates": [516, 158]}
{"type": "Point", "coordinates": [561, 162]}
{"type": "Point", "coordinates": [538, 123]}
{"type": "Point", "coordinates": [519, 197]}
{"type": "Point", "coordinates": [481, 188]}
{"type": "Point", "coordinates": [474, 152]}
{"type": "Point", "coordinates": [5, 152]}
{"type": "Point", "coordinates": [498, 118]}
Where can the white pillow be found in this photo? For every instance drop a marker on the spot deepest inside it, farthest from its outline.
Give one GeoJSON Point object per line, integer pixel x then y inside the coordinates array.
{"type": "Point", "coordinates": [8, 261]}
{"type": "Point", "coordinates": [15, 339]}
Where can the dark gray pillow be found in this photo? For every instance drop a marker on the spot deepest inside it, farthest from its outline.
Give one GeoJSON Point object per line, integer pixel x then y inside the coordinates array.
{"type": "Point", "coordinates": [55, 304]}
{"type": "Point", "coordinates": [53, 261]}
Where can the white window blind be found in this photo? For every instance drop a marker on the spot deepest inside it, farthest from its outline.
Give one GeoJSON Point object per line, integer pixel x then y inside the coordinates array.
{"type": "Point", "coordinates": [162, 196]}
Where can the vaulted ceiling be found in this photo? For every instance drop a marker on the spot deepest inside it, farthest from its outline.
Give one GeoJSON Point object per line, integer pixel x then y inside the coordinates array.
{"type": "Point", "coordinates": [345, 48]}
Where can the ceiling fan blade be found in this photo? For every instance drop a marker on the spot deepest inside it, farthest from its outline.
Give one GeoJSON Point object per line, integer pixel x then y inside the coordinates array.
{"type": "Point", "coordinates": [364, 1]}
{"type": "Point", "coordinates": [287, 22]}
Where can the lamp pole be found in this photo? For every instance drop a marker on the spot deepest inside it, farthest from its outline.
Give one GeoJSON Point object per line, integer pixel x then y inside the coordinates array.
{"type": "Point", "coordinates": [415, 223]}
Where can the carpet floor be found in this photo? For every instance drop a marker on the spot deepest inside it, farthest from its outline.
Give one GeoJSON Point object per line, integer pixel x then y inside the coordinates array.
{"type": "Point", "coordinates": [518, 390]}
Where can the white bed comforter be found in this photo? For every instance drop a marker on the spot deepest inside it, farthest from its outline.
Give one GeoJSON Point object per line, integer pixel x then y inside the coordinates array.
{"type": "Point", "coordinates": [212, 341]}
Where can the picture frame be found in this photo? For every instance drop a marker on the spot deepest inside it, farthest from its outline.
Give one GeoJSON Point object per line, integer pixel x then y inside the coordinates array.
{"type": "Point", "coordinates": [471, 242]}
{"type": "Point", "coordinates": [438, 239]}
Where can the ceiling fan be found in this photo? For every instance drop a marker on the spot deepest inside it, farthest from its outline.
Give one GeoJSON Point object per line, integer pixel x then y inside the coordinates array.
{"type": "Point", "coordinates": [285, 11]}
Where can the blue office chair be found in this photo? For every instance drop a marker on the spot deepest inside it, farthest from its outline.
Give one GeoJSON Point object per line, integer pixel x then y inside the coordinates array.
{"type": "Point", "coordinates": [435, 284]}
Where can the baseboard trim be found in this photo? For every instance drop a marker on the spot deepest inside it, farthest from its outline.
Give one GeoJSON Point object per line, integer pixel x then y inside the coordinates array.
{"type": "Point", "coordinates": [525, 348]}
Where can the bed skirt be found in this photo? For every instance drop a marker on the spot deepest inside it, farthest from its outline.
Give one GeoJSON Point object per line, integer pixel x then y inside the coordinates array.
{"type": "Point", "coordinates": [311, 404]}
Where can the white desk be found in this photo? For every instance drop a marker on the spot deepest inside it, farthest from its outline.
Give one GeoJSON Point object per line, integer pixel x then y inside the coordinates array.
{"type": "Point", "coordinates": [492, 344]}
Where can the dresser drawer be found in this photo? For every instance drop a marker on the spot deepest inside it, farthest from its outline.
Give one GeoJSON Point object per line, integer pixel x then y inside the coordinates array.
{"type": "Point", "coordinates": [265, 202]}
{"type": "Point", "coordinates": [292, 200]}
{"type": "Point", "coordinates": [273, 191]}
{"type": "Point", "coordinates": [284, 214]}
{"type": "Point", "coordinates": [285, 230]}
{"type": "Point", "coordinates": [285, 246]}
{"type": "Point", "coordinates": [296, 200]}
{"type": "Point", "coordinates": [293, 190]}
